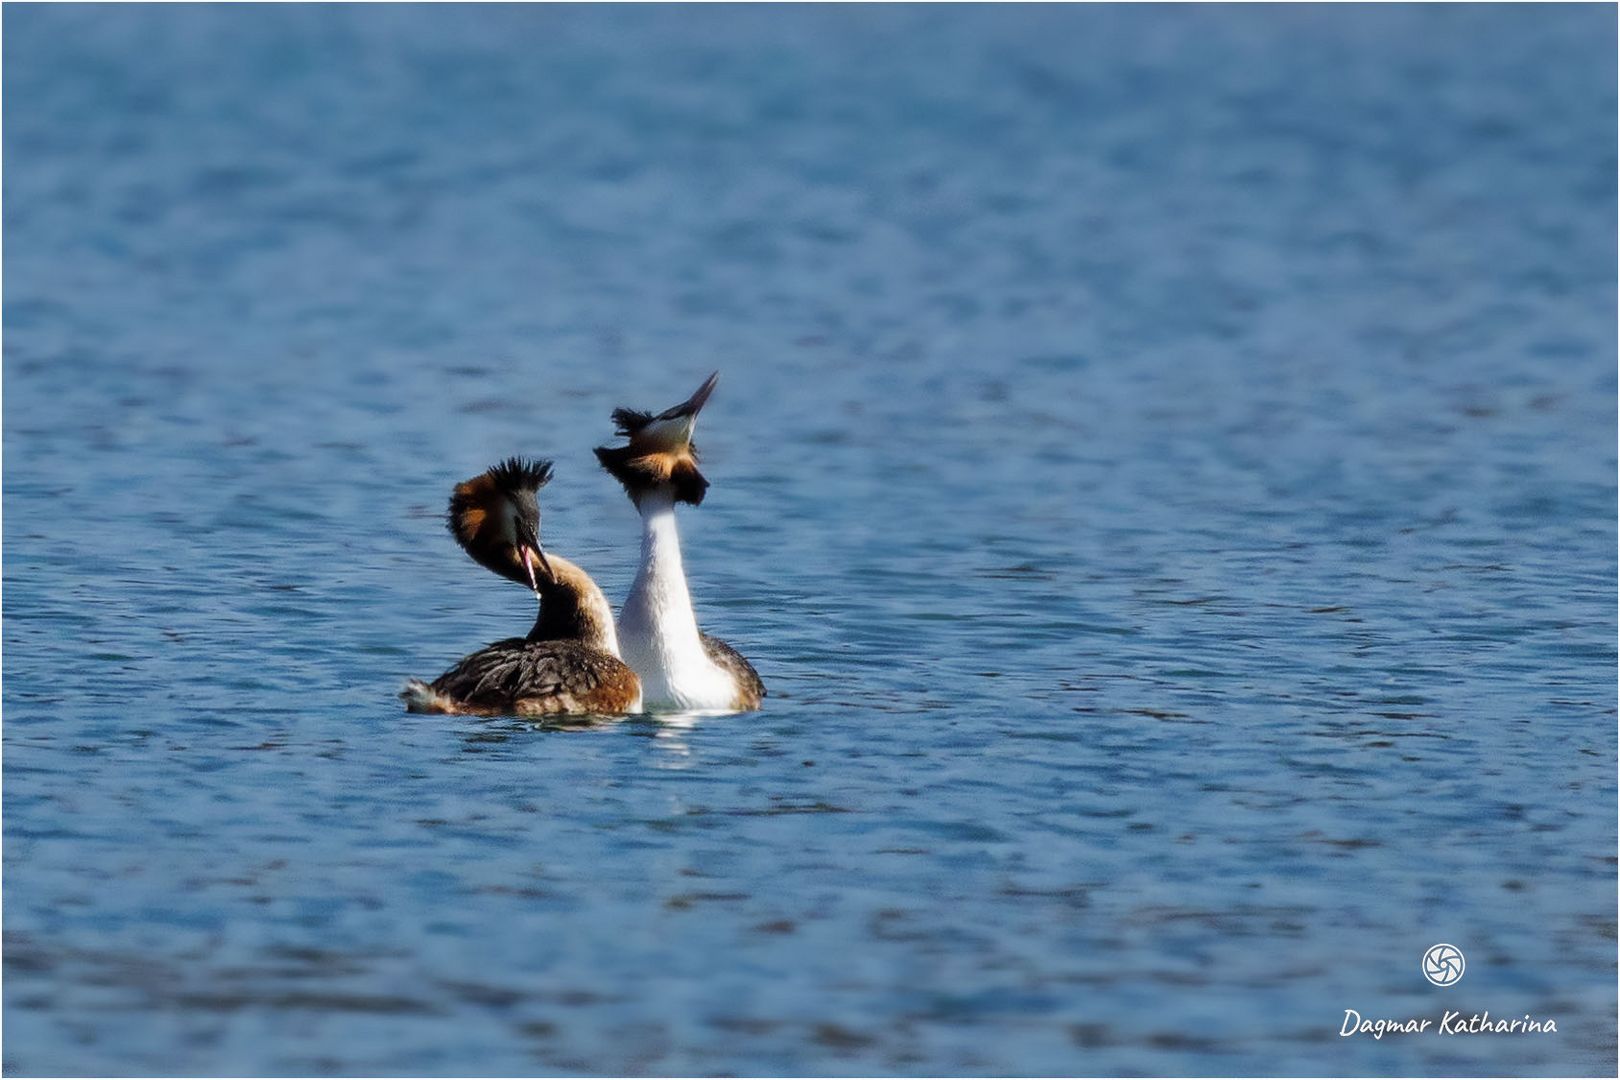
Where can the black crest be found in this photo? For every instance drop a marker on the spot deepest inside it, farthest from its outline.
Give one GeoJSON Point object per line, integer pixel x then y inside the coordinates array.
{"type": "Point", "coordinates": [521, 474]}
{"type": "Point", "coordinates": [627, 422]}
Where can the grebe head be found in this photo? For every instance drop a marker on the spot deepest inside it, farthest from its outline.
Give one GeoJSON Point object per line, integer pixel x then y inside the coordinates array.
{"type": "Point", "coordinates": [660, 454]}
{"type": "Point", "coordinates": [495, 517]}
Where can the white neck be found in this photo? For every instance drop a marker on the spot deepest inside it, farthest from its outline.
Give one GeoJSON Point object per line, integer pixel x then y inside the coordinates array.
{"type": "Point", "coordinates": [658, 632]}
{"type": "Point", "coordinates": [661, 581]}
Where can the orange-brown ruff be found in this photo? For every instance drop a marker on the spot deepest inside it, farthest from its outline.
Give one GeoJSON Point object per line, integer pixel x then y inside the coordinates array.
{"type": "Point", "coordinates": [681, 668]}
{"type": "Point", "coordinates": [569, 663]}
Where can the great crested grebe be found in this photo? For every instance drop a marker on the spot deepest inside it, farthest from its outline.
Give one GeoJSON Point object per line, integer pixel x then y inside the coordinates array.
{"type": "Point", "coordinates": [680, 666]}
{"type": "Point", "coordinates": [570, 662]}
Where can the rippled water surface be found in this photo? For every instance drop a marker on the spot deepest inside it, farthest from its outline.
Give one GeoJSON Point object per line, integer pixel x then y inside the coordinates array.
{"type": "Point", "coordinates": [1164, 468]}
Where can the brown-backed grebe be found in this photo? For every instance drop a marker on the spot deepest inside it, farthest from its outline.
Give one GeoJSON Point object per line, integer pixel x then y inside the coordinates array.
{"type": "Point", "coordinates": [681, 668]}
{"type": "Point", "coordinates": [570, 662]}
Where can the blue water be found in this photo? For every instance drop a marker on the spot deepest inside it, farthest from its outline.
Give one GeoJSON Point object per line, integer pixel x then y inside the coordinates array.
{"type": "Point", "coordinates": [1164, 467]}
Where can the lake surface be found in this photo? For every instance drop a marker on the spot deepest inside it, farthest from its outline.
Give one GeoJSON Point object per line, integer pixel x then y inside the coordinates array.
{"type": "Point", "coordinates": [1164, 468]}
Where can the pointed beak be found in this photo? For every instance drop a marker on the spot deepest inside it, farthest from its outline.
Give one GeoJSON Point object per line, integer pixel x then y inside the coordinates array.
{"type": "Point", "coordinates": [672, 428]}
{"type": "Point", "coordinates": [533, 555]}
{"type": "Point", "coordinates": [694, 404]}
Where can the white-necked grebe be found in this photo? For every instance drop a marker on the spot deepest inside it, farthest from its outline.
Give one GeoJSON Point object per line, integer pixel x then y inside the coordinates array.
{"type": "Point", "coordinates": [680, 667]}
{"type": "Point", "coordinates": [570, 662]}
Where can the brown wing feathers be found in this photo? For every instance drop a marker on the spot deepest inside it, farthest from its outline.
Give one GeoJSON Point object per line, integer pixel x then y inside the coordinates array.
{"type": "Point", "coordinates": [750, 687]}
{"type": "Point", "coordinates": [524, 677]}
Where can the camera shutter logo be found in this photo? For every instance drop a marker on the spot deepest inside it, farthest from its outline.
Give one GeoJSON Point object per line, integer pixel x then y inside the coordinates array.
{"type": "Point", "coordinates": [1443, 964]}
